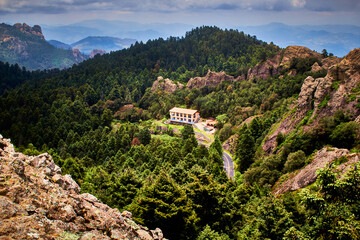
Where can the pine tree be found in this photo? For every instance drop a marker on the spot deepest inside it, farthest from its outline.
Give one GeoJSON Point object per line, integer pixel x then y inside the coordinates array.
{"type": "Point", "coordinates": [244, 149]}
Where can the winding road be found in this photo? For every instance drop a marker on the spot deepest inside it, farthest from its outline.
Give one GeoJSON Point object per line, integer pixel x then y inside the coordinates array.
{"type": "Point", "coordinates": [228, 162]}
{"type": "Point", "coordinates": [228, 165]}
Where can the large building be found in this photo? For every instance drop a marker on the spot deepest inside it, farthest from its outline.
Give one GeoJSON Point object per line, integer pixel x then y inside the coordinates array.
{"type": "Point", "coordinates": [183, 115]}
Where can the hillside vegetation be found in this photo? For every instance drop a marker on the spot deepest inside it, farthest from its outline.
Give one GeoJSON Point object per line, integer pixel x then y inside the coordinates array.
{"type": "Point", "coordinates": [96, 120]}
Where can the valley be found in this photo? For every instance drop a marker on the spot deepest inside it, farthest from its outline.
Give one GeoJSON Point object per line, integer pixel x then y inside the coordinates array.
{"type": "Point", "coordinates": [282, 163]}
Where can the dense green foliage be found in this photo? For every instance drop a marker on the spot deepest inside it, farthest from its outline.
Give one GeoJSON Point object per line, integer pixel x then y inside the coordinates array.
{"type": "Point", "coordinates": [96, 120]}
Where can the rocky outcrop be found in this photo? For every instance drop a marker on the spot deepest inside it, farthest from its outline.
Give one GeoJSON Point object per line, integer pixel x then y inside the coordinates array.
{"type": "Point", "coordinates": [35, 31]}
{"type": "Point", "coordinates": [37, 202]}
{"type": "Point", "coordinates": [211, 79]}
{"type": "Point", "coordinates": [316, 67]}
{"type": "Point", "coordinates": [307, 175]}
{"type": "Point", "coordinates": [166, 85]}
{"type": "Point", "coordinates": [94, 52]}
{"type": "Point", "coordinates": [280, 61]}
{"type": "Point", "coordinates": [339, 89]}
{"type": "Point", "coordinates": [230, 144]}
{"type": "Point", "coordinates": [79, 57]}
{"type": "Point", "coordinates": [329, 61]}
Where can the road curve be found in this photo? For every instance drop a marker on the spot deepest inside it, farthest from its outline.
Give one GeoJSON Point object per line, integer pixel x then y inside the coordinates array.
{"type": "Point", "coordinates": [228, 165]}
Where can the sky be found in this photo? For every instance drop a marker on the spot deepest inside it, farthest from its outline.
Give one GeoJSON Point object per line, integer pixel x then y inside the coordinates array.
{"type": "Point", "coordinates": [223, 13]}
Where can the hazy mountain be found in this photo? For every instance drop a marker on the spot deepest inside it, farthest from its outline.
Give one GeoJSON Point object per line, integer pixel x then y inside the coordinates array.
{"type": "Point", "coordinates": [108, 44]}
{"type": "Point", "coordinates": [27, 47]}
{"type": "Point", "coordinates": [69, 34]}
{"type": "Point", "coordinates": [122, 29]}
{"type": "Point", "coordinates": [60, 45]}
{"type": "Point", "coordinates": [337, 39]}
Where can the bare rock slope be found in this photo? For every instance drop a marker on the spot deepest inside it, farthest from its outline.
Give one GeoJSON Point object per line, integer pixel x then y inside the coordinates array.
{"type": "Point", "coordinates": [320, 97]}
{"type": "Point", "coordinates": [307, 175]}
{"type": "Point", "coordinates": [37, 202]}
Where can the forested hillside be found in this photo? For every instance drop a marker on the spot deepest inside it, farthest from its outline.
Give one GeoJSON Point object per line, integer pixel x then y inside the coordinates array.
{"type": "Point", "coordinates": [98, 121]}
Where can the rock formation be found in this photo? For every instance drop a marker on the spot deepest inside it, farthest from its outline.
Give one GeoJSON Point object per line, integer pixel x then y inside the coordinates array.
{"type": "Point", "coordinates": [94, 52]}
{"type": "Point", "coordinates": [211, 79]}
{"type": "Point", "coordinates": [307, 175]}
{"type": "Point", "coordinates": [78, 55]}
{"type": "Point", "coordinates": [37, 202]}
{"type": "Point", "coordinates": [339, 89]}
{"type": "Point", "coordinates": [166, 85]}
{"type": "Point", "coordinates": [36, 30]}
{"type": "Point", "coordinates": [280, 61]}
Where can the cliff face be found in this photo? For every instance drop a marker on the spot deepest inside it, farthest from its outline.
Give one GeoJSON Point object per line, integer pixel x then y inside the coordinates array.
{"type": "Point", "coordinates": [339, 89]}
{"type": "Point", "coordinates": [37, 202]}
{"type": "Point", "coordinates": [281, 61]}
{"type": "Point", "coordinates": [211, 79]}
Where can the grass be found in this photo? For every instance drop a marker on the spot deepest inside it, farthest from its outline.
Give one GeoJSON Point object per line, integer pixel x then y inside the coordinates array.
{"type": "Point", "coordinates": [165, 137]}
{"type": "Point", "coordinates": [160, 123]}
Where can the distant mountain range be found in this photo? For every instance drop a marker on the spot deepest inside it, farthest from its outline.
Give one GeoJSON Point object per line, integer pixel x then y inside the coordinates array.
{"type": "Point", "coordinates": [121, 29]}
{"type": "Point", "coordinates": [60, 45]}
{"type": "Point", "coordinates": [27, 47]}
{"type": "Point", "coordinates": [337, 39]}
{"type": "Point", "coordinates": [108, 44]}
{"type": "Point", "coordinates": [88, 44]}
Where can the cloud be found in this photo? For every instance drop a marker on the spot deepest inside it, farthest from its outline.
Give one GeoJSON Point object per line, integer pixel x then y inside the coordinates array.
{"type": "Point", "coordinates": [60, 6]}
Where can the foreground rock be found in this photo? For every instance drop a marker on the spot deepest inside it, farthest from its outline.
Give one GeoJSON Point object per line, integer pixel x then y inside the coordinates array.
{"type": "Point", "coordinates": [307, 175]}
{"type": "Point", "coordinates": [37, 202]}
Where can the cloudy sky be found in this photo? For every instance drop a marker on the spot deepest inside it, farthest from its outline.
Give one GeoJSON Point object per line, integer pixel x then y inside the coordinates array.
{"type": "Point", "coordinates": [225, 13]}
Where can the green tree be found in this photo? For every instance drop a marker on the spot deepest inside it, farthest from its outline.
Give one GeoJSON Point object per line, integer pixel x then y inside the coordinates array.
{"type": "Point", "coordinates": [294, 161]}
{"type": "Point", "coordinates": [164, 204]}
{"type": "Point", "coordinates": [187, 132]}
{"type": "Point", "coordinates": [216, 145]}
{"type": "Point", "coordinates": [145, 136]}
{"type": "Point", "coordinates": [244, 149]}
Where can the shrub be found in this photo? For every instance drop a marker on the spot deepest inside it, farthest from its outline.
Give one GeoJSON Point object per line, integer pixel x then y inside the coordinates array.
{"type": "Point", "coordinates": [345, 135]}
{"type": "Point", "coordinates": [294, 161]}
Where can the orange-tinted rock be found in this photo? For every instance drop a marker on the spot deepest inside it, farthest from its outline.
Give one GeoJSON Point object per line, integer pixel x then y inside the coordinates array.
{"type": "Point", "coordinates": [211, 79]}
{"type": "Point", "coordinates": [166, 85]}
{"type": "Point", "coordinates": [307, 175]}
{"type": "Point", "coordinates": [37, 202]}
